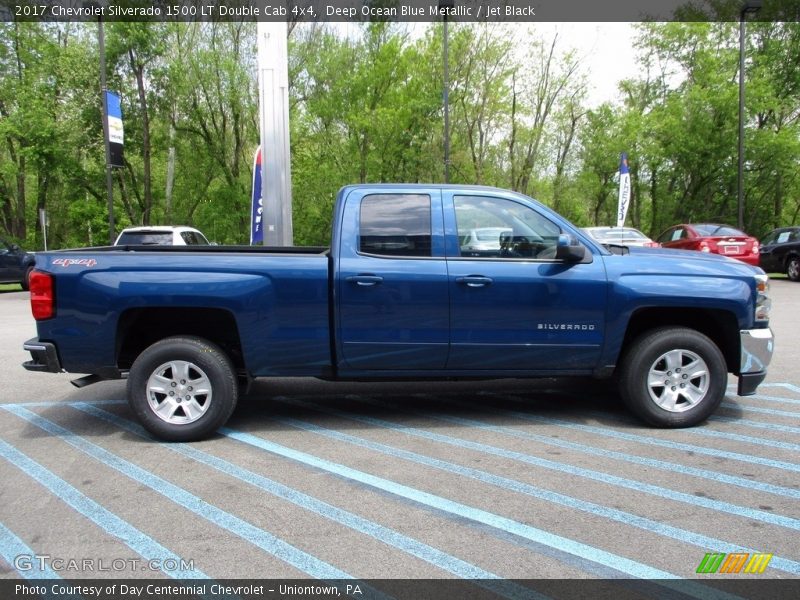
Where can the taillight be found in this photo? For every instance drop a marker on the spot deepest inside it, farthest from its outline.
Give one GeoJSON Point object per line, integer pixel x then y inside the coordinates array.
{"type": "Point", "coordinates": [42, 297]}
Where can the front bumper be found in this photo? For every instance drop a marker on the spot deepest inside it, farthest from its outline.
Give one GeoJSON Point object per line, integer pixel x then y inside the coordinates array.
{"type": "Point", "coordinates": [757, 346]}
{"type": "Point", "coordinates": [44, 356]}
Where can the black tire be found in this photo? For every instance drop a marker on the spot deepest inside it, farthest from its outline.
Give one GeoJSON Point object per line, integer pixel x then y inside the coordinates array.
{"type": "Point", "coordinates": [793, 268]}
{"type": "Point", "coordinates": [26, 279]}
{"type": "Point", "coordinates": [680, 355]}
{"type": "Point", "coordinates": [176, 363]}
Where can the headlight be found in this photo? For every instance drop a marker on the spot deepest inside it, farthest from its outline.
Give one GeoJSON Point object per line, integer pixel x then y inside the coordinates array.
{"type": "Point", "coordinates": [763, 302]}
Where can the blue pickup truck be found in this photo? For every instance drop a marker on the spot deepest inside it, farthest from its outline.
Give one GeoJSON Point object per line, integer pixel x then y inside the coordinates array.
{"type": "Point", "coordinates": [404, 292]}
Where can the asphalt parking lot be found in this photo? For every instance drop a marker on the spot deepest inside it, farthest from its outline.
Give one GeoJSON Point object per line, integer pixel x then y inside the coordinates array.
{"type": "Point", "coordinates": [510, 479]}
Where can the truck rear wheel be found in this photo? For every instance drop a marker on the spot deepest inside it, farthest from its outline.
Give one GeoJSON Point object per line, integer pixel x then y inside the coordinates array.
{"type": "Point", "coordinates": [673, 377]}
{"type": "Point", "coordinates": [182, 388]}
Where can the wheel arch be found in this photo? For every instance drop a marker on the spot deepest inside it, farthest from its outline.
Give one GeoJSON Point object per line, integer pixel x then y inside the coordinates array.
{"type": "Point", "coordinates": [720, 326]}
{"type": "Point", "coordinates": [139, 328]}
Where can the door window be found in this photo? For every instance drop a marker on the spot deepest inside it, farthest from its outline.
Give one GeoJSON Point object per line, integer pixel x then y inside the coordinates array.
{"type": "Point", "coordinates": [396, 225]}
{"type": "Point", "coordinates": [500, 228]}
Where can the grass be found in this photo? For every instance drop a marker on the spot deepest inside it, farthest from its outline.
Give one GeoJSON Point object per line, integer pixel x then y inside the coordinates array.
{"type": "Point", "coordinates": [10, 287]}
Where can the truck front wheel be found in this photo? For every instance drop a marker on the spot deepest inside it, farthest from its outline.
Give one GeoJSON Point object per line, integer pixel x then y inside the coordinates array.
{"type": "Point", "coordinates": [673, 377]}
{"type": "Point", "coordinates": [182, 388]}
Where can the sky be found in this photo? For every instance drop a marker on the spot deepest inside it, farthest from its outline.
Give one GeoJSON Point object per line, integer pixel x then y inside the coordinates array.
{"type": "Point", "coordinates": [607, 53]}
{"type": "Point", "coordinates": [606, 50]}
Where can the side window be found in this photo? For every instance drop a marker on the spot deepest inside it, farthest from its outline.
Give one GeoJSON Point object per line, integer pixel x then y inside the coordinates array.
{"type": "Point", "coordinates": [678, 234]}
{"type": "Point", "coordinates": [665, 237]}
{"type": "Point", "coordinates": [188, 238]}
{"type": "Point", "coordinates": [499, 228]}
{"type": "Point", "coordinates": [396, 225]}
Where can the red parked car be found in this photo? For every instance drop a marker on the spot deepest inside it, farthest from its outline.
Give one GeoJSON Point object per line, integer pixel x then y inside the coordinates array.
{"type": "Point", "coordinates": [712, 237]}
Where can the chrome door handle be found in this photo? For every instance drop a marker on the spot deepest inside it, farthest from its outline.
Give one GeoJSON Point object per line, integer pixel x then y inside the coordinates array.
{"type": "Point", "coordinates": [365, 280]}
{"type": "Point", "coordinates": [474, 280]}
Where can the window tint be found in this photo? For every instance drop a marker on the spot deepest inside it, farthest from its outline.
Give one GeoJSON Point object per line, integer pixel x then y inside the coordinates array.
{"type": "Point", "coordinates": [500, 228]}
{"type": "Point", "coordinates": [192, 238]}
{"type": "Point", "coordinates": [143, 238]}
{"type": "Point", "coordinates": [396, 225]}
{"type": "Point", "coordinates": [713, 230]}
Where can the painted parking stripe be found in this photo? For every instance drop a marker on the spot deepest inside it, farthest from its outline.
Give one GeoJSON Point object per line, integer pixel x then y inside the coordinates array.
{"type": "Point", "coordinates": [614, 480]}
{"type": "Point", "coordinates": [769, 398]}
{"type": "Point", "coordinates": [596, 555]}
{"type": "Point", "coordinates": [383, 534]}
{"type": "Point", "coordinates": [603, 452]}
{"type": "Point", "coordinates": [631, 437]}
{"type": "Point", "coordinates": [12, 547]}
{"type": "Point", "coordinates": [737, 437]}
{"type": "Point", "coordinates": [627, 518]}
{"type": "Point", "coordinates": [760, 410]}
{"type": "Point", "coordinates": [266, 541]}
{"type": "Point", "coordinates": [787, 386]}
{"type": "Point", "coordinates": [139, 542]}
{"type": "Point", "coordinates": [772, 427]}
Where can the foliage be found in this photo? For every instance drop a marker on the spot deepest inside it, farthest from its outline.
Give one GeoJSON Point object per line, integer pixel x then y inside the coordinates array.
{"type": "Point", "coordinates": [366, 106]}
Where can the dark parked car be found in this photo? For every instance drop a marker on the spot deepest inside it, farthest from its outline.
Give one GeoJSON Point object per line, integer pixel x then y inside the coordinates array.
{"type": "Point", "coordinates": [15, 264]}
{"type": "Point", "coordinates": [712, 237]}
{"type": "Point", "coordinates": [780, 252]}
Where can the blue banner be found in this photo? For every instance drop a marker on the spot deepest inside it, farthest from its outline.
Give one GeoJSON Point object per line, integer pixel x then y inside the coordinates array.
{"type": "Point", "coordinates": [257, 203]}
{"type": "Point", "coordinates": [116, 134]}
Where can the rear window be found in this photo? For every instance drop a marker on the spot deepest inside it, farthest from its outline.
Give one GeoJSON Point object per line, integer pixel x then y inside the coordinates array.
{"type": "Point", "coordinates": [396, 225]}
{"type": "Point", "coordinates": [192, 238]}
{"type": "Point", "coordinates": [718, 230]}
{"type": "Point", "coordinates": [145, 238]}
{"type": "Point", "coordinates": [615, 234]}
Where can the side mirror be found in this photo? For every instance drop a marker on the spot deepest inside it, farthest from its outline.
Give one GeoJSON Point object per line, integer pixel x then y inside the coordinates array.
{"type": "Point", "coordinates": [568, 248]}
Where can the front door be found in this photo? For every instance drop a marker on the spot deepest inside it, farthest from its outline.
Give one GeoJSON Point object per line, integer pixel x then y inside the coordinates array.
{"type": "Point", "coordinates": [513, 305]}
{"type": "Point", "coordinates": [392, 282]}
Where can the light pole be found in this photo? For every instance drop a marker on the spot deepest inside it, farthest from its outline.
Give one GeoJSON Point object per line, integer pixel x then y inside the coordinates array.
{"type": "Point", "coordinates": [748, 7]}
{"type": "Point", "coordinates": [444, 7]}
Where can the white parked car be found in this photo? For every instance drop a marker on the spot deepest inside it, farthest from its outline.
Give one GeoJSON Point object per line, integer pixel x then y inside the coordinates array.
{"type": "Point", "coordinates": [161, 235]}
{"type": "Point", "coordinates": [483, 238]}
{"type": "Point", "coordinates": [621, 236]}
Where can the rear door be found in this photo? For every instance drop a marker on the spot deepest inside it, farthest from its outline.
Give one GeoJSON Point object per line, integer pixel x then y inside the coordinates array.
{"type": "Point", "coordinates": [393, 311]}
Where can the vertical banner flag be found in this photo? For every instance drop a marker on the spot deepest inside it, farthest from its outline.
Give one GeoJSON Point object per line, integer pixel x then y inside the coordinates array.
{"type": "Point", "coordinates": [624, 190]}
{"type": "Point", "coordinates": [116, 135]}
{"type": "Point", "coordinates": [257, 203]}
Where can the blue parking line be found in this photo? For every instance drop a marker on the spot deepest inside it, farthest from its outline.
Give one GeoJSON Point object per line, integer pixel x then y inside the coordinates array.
{"type": "Point", "coordinates": [139, 542]}
{"type": "Point", "coordinates": [477, 515]}
{"type": "Point", "coordinates": [614, 480]}
{"type": "Point", "coordinates": [605, 453]}
{"type": "Point", "coordinates": [772, 427]}
{"type": "Point", "coordinates": [775, 399]}
{"type": "Point", "coordinates": [383, 534]}
{"type": "Point", "coordinates": [737, 437]}
{"type": "Point", "coordinates": [266, 541]}
{"type": "Point", "coordinates": [51, 404]}
{"type": "Point", "coordinates": [787, 386]}
{"type": "Point", "coordinates": [760, 410]}
{"type": "Point", "coordinates": [11, 548]}
{"type": "Point", "coordinates": [632, 437]}
{"type": "Point", "coordinates": [620, 516]}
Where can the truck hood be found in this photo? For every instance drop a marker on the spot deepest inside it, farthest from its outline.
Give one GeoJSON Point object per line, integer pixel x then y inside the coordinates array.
{"type": "Point", "coordinates": [680, 262]}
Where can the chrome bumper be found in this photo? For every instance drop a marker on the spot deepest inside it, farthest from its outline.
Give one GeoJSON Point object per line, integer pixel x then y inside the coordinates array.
{"type": "Point", "coordinates": [757, 346]}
